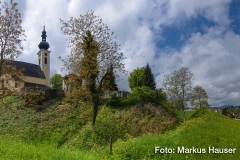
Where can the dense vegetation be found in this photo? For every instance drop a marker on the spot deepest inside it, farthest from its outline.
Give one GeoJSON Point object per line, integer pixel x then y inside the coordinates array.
{"type": "Point", "coordinates": [68, 122]}
{"type": "Point", "coordinates": [62, 130]}
{"type": "Point", "coordinates": [233, 112]}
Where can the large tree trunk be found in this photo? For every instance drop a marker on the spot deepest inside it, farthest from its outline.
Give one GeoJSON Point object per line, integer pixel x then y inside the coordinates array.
{"type": "Point", "coordinates": [95, 108]}
{"type": "Point", "coordinates": [95, 100]}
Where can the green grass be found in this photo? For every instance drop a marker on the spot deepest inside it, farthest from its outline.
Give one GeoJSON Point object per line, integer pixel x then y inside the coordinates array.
{"type": "Point", "coordinates": [180, 114]}
{"type": "Point", "coordinates": [46, 123]}
{"type": "Point", "coordinates": [27, 133]}
{"type": "Point", "coordinates": [16, 150]}
{"type": "Point", "coordinates": [61, 122]}
{"type": "Point", "coordinates": [214, 130]}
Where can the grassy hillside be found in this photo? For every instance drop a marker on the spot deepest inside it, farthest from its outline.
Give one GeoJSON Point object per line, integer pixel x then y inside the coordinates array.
{"type": "Point", "coordinates": [46, 123]}
{"type": "Point", "coordinates": [67, 122]}
{"type": "Point", "coordinates": [180, 114]}
{"type": "Point", "coordinates": [212, 130]}
{"type": "Point", "coordinates": [61, 129]}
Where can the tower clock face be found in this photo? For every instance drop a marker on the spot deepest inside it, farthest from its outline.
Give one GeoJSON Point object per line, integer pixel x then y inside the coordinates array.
{"type": "Point", "coordinates": [45, 54]}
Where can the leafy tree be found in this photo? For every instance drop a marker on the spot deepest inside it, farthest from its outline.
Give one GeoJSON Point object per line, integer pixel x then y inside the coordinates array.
{"type": "Point", "coordinates": [109, 83]}
{"type": "Point", "coordinates": [161, 95]}
{"type": "Point", "coordinates": [11, 34]}
{"type": "Point", "coordinates": [93, 51]}
{"type": "Point", "coordinates": [142, 77]}
{"type": "Point", "coordinates": [149, 79]}
{"type": "Point", "coordinates": [178, 86]}
{"type": "Point", "coordinates": [56, 81]}
{"type": "Point", "coordinates": [225, 111]}
{"type": "Point", "coordinates": [199, 97]}
{"type": "Point", "coordinates": [136, 78]}
{"type": "Point", "coordinates": [161, 98]}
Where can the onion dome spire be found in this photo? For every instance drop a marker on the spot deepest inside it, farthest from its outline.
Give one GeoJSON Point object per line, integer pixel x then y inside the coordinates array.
{"type": "Point", "coordinates": [44, 44]}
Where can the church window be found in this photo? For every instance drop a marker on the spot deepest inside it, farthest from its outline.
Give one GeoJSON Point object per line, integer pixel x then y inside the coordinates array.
{"type": "Point", "coordinates": [45, 54]}
{"type": "Point", "coordinates": [45, 60]}
{"type": "Point", "coordinates": [16, 84]}
{"type": "Point", "coordinates": [39, 61]}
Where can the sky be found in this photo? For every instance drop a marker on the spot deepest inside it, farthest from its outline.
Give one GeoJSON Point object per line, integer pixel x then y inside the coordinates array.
{"type": "Point", "coordinates": [168, 34]}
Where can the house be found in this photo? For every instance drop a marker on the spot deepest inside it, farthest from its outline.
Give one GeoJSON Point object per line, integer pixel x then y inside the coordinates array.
{"type": "Point", "coordinates": [34, 75]}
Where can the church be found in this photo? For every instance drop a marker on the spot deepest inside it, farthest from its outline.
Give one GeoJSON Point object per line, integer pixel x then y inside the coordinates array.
{"type": "Point", "coordinates": [35, 75]}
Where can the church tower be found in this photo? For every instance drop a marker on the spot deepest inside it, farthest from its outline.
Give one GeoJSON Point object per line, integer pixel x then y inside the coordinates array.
{"type": "Point", "coordinates": [44, 56]}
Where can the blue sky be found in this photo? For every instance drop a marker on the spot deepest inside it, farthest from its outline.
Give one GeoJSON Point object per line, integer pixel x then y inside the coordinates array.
{"type": "Point", "coordinates": [168, 34]}
{"type": "Point", "coordinates": [176, 35]}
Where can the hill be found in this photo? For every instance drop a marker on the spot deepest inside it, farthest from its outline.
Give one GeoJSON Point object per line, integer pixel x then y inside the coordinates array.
{"type": "Point", "coordinates": [213, 130]}
{"type": "Point", "coordinates": [67, 122]}
{"type": "Point", "coordinates": [60, 129]}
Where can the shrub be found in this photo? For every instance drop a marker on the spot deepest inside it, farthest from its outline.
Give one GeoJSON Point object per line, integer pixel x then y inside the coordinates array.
{"type": "Point", "coordinates": [32, 99]}
{"type": "Point", "coordinates": [81, 93]}
{"type": "Point", "coordinates": [142, 95]}
{"type": "Point", "coordinates": [114, 101]}
{"type": "Point", "coordinates": [132, 100]}
{"type": "Point", "coordinates": [50, 93]}
{"type": "Point", "coordinates": [148, 118]}
{"type": "Point", "coordinates": [198, 112]}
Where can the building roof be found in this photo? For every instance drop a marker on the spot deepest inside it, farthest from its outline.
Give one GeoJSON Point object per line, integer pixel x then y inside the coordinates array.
{"type": "Point", "coordinates": [31, 70]}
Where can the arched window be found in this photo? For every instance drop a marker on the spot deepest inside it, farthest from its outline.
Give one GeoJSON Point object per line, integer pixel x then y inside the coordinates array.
{"type": "Point", "coordinates": [39, 61]}
{"type": "Point", "coordinates": [45, 60]}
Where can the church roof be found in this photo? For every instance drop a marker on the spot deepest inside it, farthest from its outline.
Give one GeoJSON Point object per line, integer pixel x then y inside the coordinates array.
{"type": "Point", "coordinates": [31, 70]}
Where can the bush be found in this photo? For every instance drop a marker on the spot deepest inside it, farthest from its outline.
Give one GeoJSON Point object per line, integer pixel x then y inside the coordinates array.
{"type": "Point", "coordinates": [50, 93]}
{"type": "Point", "coordinates": [142, 95]}
{"type": "Point", "coordinates": [146, 119]}
{"type": "Point", "coordinates": [32, 99]}
{"type": "Point", "coordinates": [132, 100]}
{"type": "Point", "coordinates": [81, 93]}
{"type": "Point", "coordinates": [198, 112]}
{"type": "Point", "coordinates": [114, 101]}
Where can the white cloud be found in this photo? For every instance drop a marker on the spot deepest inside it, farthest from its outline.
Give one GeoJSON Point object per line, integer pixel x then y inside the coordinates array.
{"type": "Point", "coordinates": [214, 10]}
{"type": "Point", "coordinates": [214, 61]}
{"type": "Point", "coordinates": [212, 56]}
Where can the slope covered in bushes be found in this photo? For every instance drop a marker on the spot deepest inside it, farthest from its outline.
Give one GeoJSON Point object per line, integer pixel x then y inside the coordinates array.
{"type": "Point", "coordinates": [123, 124]}
{"type": "Point", "coordinates": [210, 130]}
{"type": "Point", "coordinates": [64, 122]}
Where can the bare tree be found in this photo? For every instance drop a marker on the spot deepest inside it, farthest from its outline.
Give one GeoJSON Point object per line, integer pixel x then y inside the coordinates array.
{"type": "Point", "coordinates": [93, 51]}
{"type": "Point", "coordinates": [178, 86]}
{"type": "Point", "coordinates": [199, 97]}
{"type": "Point", "coordinates": [11, 33]}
